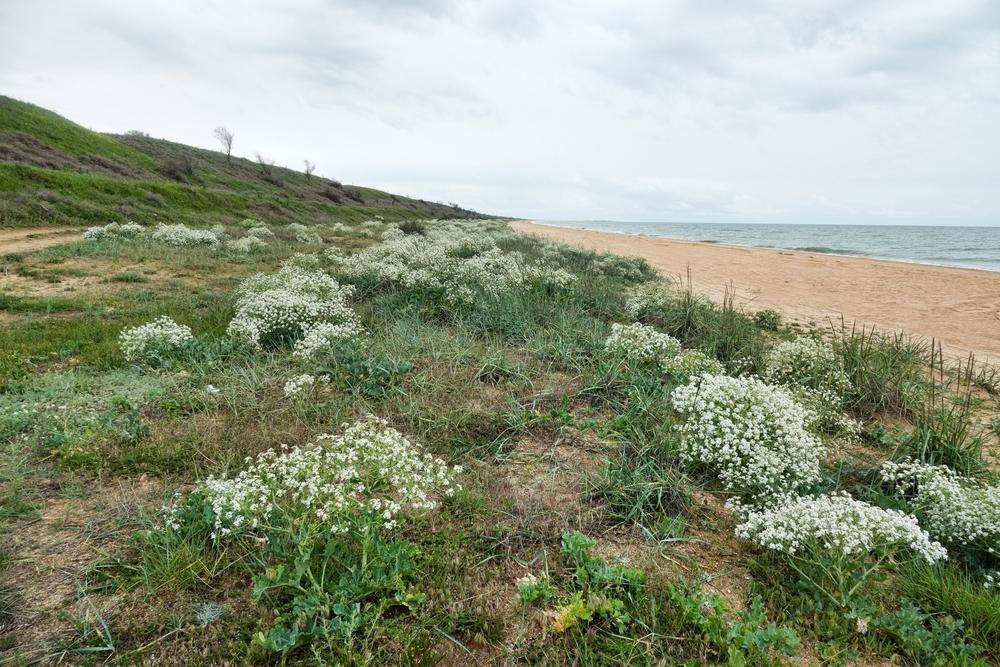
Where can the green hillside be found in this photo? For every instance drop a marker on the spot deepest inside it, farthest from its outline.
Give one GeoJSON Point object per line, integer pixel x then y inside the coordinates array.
{"type": "Point", "coordinates": [53, 171]}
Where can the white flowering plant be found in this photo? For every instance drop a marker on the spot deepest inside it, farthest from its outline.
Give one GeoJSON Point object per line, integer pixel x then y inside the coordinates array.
{"type": "Point", "coordinates": [246, 245]}
{"type": "Point", "coordinates": [641, 344]}
{"type": "Point", "coordinates": [182, 235]}
{"type": "Point", "coordinates": [339, 483]}
{"type": "Point", "coordinates": [755, 437]}
{"type": "Point", "coordinates": [453, 264]}
{"type": "Point", "coordinates": [302, 233]}
{"type": "Point", "coordinates": [272, 309]}
{"type": "Point", "coordinates": [812, 371]}
{"type": "Point", "coordinates": [319, 522]}
{"type": "Point", "coordinates": [959, 511]}
{"type": "Point", "coordinates": [113, 230]}
{"type": "Point", "coordinates": [152, 343]}
{"type": "Point", "coordinates": [836, 543]}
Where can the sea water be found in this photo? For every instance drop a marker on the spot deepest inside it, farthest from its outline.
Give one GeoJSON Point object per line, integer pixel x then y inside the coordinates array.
{"type": "Point", "coordinates": [971, 247]}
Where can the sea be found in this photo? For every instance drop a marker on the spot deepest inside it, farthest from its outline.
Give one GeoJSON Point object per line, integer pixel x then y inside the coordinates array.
{"type": "Point", "coordinates": [970, 247]}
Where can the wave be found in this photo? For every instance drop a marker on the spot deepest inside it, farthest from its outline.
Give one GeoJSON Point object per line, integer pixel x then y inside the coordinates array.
{"type": "Point", "coordinates": [830, 251]}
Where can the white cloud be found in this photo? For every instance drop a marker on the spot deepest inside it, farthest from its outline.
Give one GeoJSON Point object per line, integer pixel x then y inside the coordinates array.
{"type": "Point", "coordinates": [765, 110]}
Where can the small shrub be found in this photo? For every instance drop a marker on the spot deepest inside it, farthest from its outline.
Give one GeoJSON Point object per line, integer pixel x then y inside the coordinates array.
{"type": "Point", "coordinates": [768, 320]}
{"type": "Point", "coordinates": [754, 436]}
{"type": "Point", "coordinates": [153, 342]}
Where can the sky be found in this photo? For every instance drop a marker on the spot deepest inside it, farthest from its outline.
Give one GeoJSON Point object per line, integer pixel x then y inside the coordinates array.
{"type": "Point", "coordinates": [808, 111]}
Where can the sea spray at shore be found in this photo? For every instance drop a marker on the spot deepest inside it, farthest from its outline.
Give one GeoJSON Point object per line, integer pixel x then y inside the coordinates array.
{"type": "Point", "coordinates": [970, 247]}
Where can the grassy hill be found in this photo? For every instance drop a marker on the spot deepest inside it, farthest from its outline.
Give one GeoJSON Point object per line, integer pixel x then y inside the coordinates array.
{"type": "Point", "coordinates": [53, 171]}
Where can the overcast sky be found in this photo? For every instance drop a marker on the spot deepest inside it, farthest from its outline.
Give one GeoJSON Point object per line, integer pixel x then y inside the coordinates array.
{"type": "Point", "coordinates": [798, 111]}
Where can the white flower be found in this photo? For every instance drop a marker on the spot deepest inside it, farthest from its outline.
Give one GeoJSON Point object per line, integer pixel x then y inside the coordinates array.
{"type": "Point", "coordinates": [211, 390]}
{"type": "Point", "coordinates": [182, 235]}
{"type": "Point", "coordinates": [297, 384]}
{"type": "Point", "coordinates": [371, 468]}
{"type": "Point", "coordinates": [754, 436]}
{"type": "Point", "coordinates": [246, 245]}
{"type": "Point", "coordinates": [641, 343]}
{"type": "Point", "coordinates": [956, 510]}
{"type": "Point", "coordinates": [113, 231]}
{"type": "Point", "coordinates": [303, 234]}
{"type": "Point", "coordinates": [838, 523]}
{"type": "Point", "coordinates": [161, 336]}
{"type": "Point", "coordinates": [285, 305]}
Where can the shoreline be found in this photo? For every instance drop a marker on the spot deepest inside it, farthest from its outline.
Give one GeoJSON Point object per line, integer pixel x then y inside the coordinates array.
{"type": "Point", "coordinates": [958, 306]}
{"type": "Point", "coordinates": [760, 247]}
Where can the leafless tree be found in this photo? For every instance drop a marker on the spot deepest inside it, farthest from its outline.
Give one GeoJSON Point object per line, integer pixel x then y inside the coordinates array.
{"type": "Point", "coordinates": [310, 168]}
{"type": "Point", "coordinates": [225, 137]}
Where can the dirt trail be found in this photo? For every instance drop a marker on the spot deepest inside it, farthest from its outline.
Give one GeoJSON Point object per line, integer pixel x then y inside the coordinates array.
{"type": "Point", "coordinates": [26, 240]}
{"type": "Point", "coordinates": [959, 307]}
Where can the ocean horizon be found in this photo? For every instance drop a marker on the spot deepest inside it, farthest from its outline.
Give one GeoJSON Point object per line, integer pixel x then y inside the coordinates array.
{"type": "Point", "coordinates": [970, 247]}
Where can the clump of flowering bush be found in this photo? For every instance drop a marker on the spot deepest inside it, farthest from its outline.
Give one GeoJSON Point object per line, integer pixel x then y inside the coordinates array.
{"type": "Point", "coordinates": [261, 231]}
{"type": "Point", "coordinates": [754, 436]}
{"type": "Point", "coordinates": [838, 523]}
{"type": "Point", "coordinates": [810, 368]}
{"type": "Point", "coordinates": [113, 230]}
{"type": "Point", "coordinates": [640, 343]}
{"type": "Point", "coordinates": [454, 263]}
{"type": "Point", "coordinates": [297, 384]}
{"type": "Point", "coordinates": [182, 235]}
{"type": "Point", "coordinates": [281, 307]}
{"type": "Point", "coordinates": [828, 541]}
{"type": "Point", "coordinates": [806, 361]}
{"type": "Point", "coordinates": [326, 336]}
{"type": "Point", "coordinates": [957, 510]}
{"type": "Point", "coordinates": [303, 234]}
{"type": "Point", "coordinates": [369, 473]}
{"type": "Point", "coordinates": [151, 342]}
{"type": "Point", "coordinates": [690, 363]}
{"type": "Point", "coordinates": [246, 245]}
{"type": "Point", "coordinates": [647, 301]}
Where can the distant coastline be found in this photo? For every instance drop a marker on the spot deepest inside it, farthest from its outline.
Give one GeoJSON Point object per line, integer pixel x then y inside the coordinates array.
{"type": "Point", "coordinates": [950, 246]}
{"type": "Point", "coordinates": [957, 305]}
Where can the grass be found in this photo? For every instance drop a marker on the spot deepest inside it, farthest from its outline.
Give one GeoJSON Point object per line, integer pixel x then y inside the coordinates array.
{"type": "Point", "coordinates": [554, 435]}
{"type": "Point", "coordinates": [67, 174]}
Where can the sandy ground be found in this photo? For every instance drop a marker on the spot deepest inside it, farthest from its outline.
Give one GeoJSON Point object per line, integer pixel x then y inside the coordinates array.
{"type": "Point", "coordinates": [959, 307]}
{"type": "Point", "coordinates": [24, 240]}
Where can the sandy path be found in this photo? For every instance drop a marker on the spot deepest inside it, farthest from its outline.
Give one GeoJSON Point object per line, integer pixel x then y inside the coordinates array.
{"type": "Point", "coordinates": [960, 307]}
{"type": "Point", "coordinates": [25, 240]}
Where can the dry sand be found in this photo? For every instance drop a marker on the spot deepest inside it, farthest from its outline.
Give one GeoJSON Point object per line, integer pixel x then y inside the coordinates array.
{"type": "Point", "coordinates": [959, 307]}
{"type": "Point", "coordinates": [26, 240]}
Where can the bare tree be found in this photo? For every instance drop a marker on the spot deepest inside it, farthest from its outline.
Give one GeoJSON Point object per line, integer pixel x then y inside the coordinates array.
{"type": "Point", "coordinates": [310, 168]}
{"type": "Point", "coordinates": [225, 137]}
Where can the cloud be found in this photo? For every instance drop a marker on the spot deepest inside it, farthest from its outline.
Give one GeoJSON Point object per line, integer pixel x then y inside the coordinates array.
{"type": "Point", "coordinates": [767, 110]}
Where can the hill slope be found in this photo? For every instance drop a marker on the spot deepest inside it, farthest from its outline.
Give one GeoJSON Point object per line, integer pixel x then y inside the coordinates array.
{"type": "Point", "coordinates": [53, 171]}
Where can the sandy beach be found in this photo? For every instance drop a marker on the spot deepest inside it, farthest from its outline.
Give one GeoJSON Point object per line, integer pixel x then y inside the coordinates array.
{"type": "Point", "coordinates": [960, 307]}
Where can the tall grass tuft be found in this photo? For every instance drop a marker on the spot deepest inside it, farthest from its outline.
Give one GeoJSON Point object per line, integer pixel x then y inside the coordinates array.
{"type": "Point", "coordinates": [888, 372]}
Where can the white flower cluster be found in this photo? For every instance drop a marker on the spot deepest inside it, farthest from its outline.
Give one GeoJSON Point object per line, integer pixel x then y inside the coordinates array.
{"type": "Point", "coordinates": [261, 231]}
{"type": "Point", "coordinates": [182, 235]}
{"type": "Point", "coordinates": [992, 581]}
{"type": "Point", "coordinates": [647, 300]}
{"type": "Point", "coordinates": [808, 362]}
{"type": "Point", "coordinates": [246, 245]}
{"type": "Point", "coordinates": [113, 230]}
{"type": "Point", "coordinates": [641, 343]}
{"type": "Point", "coordinates": [303, 234]}
{"type": "Point", "coordinates": [753, 435]}
{"type": "Point", "coordinates": [326, 336]}
{"type": "Point", "coordinates": [459, 262]}
{"type": "Point", "coordinates": [838, 523]}
{"type": "Point", "coordinates": [370, 469]}
{"type": "Point", "coordinates": [297, 384]}
{"type": "Point", "coordinates": [690, 363]}
{"type": "Point", "coordinates": [284, 306]}
{"type": "Point", "coordinates": [954, 509]}
{"type": "Point", "coordinates": [158, 337]}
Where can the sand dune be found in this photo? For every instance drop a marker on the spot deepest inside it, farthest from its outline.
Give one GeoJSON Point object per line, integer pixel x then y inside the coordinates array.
{"type": "Point", "coordinates": [960, 307]}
